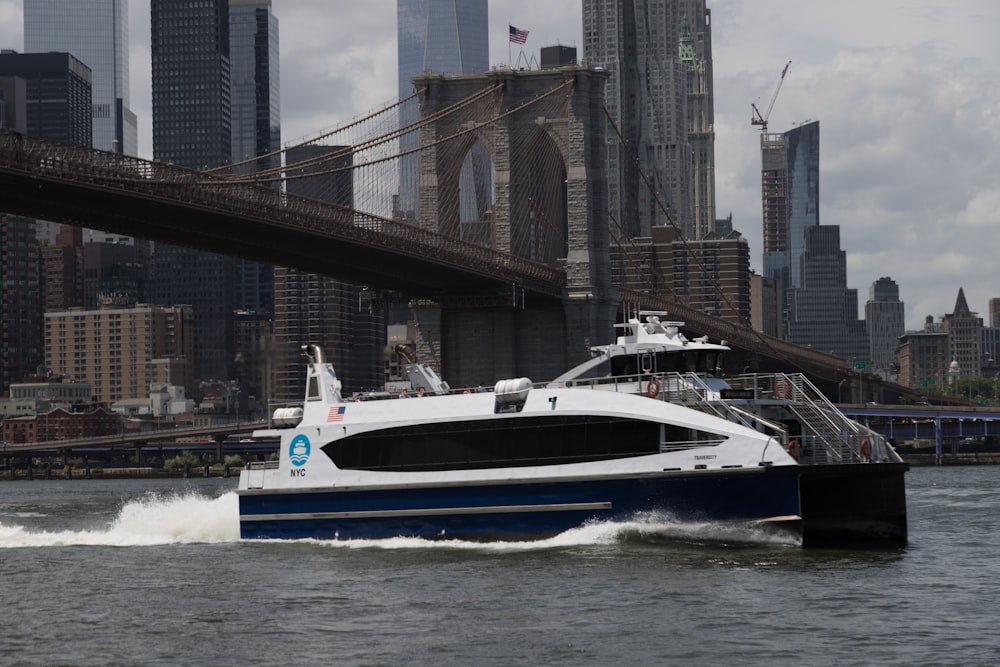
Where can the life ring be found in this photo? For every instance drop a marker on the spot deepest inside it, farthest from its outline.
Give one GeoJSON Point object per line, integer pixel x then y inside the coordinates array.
{"type": "Point", "coordinates": [793, 449]}
{"type": "Point", "coordinates": [653, 388]}
{"type": "Point", "coordinates": [781, 389]}
{"type": "Point", "coordinates": [866, 449]}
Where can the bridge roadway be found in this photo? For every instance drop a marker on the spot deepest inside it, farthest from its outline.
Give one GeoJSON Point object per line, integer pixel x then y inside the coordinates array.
{"type": "Point", "coordinates": [162, 202]}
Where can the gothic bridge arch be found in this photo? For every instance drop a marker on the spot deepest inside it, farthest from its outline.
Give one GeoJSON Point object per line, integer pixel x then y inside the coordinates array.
{"type": "Point", "coordinates": [544, 134]}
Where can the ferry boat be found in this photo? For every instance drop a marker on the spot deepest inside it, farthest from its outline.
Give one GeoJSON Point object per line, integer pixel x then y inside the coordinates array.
{"type": "Point", "coordinates": [645, 430]}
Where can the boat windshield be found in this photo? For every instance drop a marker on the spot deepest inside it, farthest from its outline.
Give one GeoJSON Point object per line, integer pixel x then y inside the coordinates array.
{"type": "Point", "coordinates": [706, 362]}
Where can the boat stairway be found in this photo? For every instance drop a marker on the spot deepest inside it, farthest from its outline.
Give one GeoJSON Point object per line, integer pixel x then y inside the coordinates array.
{"type": "Point", "coordinates": [825, 435]}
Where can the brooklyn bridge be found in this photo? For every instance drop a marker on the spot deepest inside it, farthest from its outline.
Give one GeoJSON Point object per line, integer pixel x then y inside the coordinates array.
{"type": "Point", "coordinates": [509, 213]}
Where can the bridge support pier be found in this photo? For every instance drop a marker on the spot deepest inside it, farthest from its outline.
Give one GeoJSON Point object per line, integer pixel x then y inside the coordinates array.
{"type": "Point", "coordinates": [483, 345]}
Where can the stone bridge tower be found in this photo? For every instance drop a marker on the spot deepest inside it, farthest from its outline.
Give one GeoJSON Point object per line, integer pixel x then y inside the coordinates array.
{"type": "Point", "coordinates": [515, 160]}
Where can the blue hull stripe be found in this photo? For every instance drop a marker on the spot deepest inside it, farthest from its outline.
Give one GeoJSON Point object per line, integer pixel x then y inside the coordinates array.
{"type": "Point", "coordinates": [513, 508]}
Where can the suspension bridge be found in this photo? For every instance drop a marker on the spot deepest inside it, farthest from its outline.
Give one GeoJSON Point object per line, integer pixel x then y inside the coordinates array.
{"type": "Point", "coordinates": [476, 184]}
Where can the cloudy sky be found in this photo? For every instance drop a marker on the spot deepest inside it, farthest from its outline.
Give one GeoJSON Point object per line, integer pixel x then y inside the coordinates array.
{"type": "Point", "coordinates": [907, 93]}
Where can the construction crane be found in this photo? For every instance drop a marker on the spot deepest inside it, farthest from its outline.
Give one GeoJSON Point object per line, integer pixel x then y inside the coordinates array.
{"type": "Point", "coordinates": [757, 118]}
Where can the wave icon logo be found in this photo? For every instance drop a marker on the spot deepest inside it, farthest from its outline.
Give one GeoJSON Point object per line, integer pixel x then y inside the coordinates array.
{"type": "Point", "coordinates": [299, 450]}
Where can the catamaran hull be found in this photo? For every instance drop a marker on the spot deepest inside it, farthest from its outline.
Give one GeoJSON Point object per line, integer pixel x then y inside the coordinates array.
{"type": "Point", "coordinates": [822, 505]}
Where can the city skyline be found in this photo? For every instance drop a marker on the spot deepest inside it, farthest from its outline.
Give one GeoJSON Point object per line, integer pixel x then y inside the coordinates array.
{"type": "Point", "coordinates": [908, 145]}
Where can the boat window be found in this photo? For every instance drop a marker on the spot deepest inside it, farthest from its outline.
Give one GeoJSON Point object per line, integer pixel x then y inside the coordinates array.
{"type": "Point", "coordinates": [624, 365]}
{"type": "Point", "coordinates": [668, 362]}
{"type": "Point", "coordinates": [312, 389]}
{"type": "Point", "coordinates": [688, 361]}
{"type": "Point", "coordinates": [511, 442]}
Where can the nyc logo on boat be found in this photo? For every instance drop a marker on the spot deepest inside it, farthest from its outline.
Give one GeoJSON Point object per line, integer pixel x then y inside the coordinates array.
{"type": "Point", "coordinates": [299, 450]}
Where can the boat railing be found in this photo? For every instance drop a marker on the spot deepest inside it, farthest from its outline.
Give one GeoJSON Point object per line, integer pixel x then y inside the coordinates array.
{"type": "Point", "coordinates": [827, 436]}
{"type": "Point", "coordinates": [835, 437]}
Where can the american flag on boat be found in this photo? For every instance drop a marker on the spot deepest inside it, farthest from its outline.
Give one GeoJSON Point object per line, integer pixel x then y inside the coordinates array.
{"type": "Point", "coordinates": [518, 36]}
{"type": "Point", "coordinates": [336, 413]}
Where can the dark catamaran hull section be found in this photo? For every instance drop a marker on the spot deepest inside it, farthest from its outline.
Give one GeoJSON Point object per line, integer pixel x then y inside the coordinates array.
{"type": "Point", "coordinates": [857, 505]}
{"type": "Point", "coordinates": [844, 505]}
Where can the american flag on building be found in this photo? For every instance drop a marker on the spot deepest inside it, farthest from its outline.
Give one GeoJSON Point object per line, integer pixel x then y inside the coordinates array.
{"type": "Point", "coordinates": [518, 36]}
{"type": "Point", "coordinates": [336, 413]}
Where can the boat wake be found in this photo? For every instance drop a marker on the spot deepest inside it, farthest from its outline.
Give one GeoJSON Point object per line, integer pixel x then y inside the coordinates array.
{"type": "Point", "coordinates": [153, 519]}
{"type": "Point", "coordinates": [185, 518]}
{"type": "Point", "coordinates": [647, 529]}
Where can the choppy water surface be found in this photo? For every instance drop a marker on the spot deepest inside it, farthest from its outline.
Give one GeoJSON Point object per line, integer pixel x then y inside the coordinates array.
{"type": "Point", "coordinates": [153, 572]}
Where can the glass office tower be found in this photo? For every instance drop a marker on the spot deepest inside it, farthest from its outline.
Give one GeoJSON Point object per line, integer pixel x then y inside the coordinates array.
{"type": "Point", "coordinates": [192, 128]}
{"type": "Point", "coordinates": [95, 32]}
{"type": "Point", "coordinates": [442, 37]}
{"type": "Point", "coordinates": [790, 200]}
{"type": "Point", "coordinates": [256, 123]}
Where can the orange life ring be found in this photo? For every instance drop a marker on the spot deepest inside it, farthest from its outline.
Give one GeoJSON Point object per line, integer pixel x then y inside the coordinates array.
{"type": "Point", "coordinates": [781, 388]}
{"type": "Point", "coordinates": [866, 449]}
{"type": "Point", "coordinates": [793, 449]}
{"type": "Point", "coordinates": [653, 388]}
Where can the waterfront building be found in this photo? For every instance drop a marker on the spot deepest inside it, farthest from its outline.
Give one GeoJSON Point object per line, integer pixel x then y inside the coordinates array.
{"type": "Point", "coordinates": [923, 360]}
{"type": "Point", "coordinates": [61, 424]}
{"type": "Point", "coordinates": [41, 394]}
{"type": "Point", "coordinates": [790, 201]}
{"type": "Point", "coordinates": [885, 321]}
{"type": "Point", "coordinates": [57, 94]}
{"type": "Point", "coordinates": [440, 37]}
{"type": "Point", "coordinates": [659, 93]}
{"type": "Point", "coordinates": [256, 125]}
{"type": "Point", "coordinates": [965, 330]}
{"type": "Point", "coordinates": [192, 128]}
{"type": "Point", "coordinates": [97, 33]}
{"type": "Point", "coordinates": [121, 351]}
{"type": "Point", "coordinates": [823, 312]}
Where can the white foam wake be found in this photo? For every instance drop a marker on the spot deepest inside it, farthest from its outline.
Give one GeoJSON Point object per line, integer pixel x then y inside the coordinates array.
{"type": "Point", "coordinates": [150, 520]}
{"type": "Point", "coordinates": [649, 529]}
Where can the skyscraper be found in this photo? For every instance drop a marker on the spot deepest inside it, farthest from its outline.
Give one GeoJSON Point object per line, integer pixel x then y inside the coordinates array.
{"type": "Point", "coordinates": [58, 94]}
{"type": "Point", "coordinates": [254, 69]}
{"type": "Point", "coordinates": [256, 124]}
{"type": "Point", "coordinates": [21, 349]}
{"type": "Point", "coordinates": [884, 318]}
{"type": "Point", "coordinates": [823, 312]}
{"type": "Point", "coordinates": [441, 37]}
{"type": "Point", "coordinates": [192, 128]}
{"type": "Point", "coordinates": [965, 330]}
{"type": "Point", "coordinates": [191, 82]}
{"type": "Point", "coordinates": [95, 32]}
{"type": "Point", "coordinates": [55, 99]}
{"type": "Point", "coordinates": [790, 200]}
{"type": "Point", "coordinates": [696, 53]}
{"type": "Point", "coordinates": [639, 43]}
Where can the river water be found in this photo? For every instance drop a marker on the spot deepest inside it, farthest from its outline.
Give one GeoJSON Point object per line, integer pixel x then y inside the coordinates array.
{"type": "Point", "coordinates": [153, 572]}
